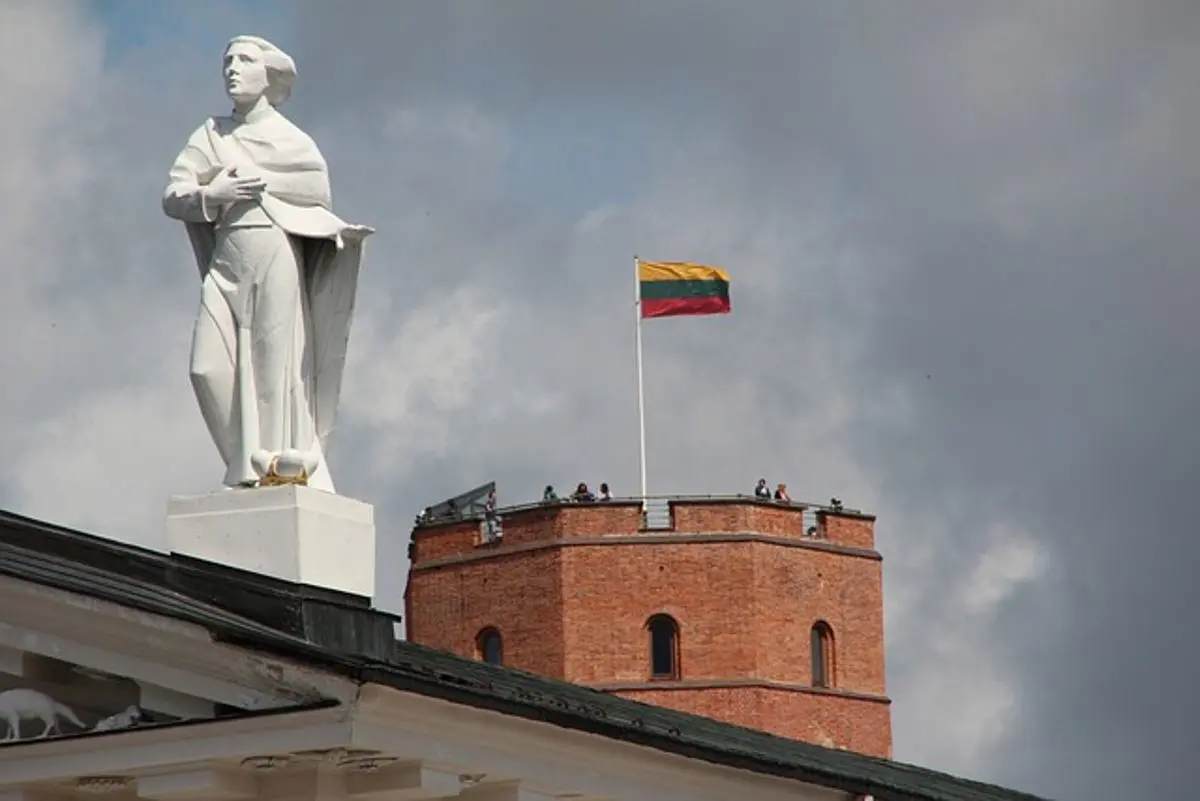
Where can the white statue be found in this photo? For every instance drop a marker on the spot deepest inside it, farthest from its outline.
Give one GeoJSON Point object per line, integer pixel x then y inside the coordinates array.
{"type": "Point", "coordinates": [21, 704]}
{"type": "Point", "coordinates": [279, 273]}
{"type": "Point", "coordinates": [127, 718]}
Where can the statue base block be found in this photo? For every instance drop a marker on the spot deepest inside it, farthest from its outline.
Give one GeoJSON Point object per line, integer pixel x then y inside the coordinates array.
{"type": "Point", "coordinates": [294, 533]}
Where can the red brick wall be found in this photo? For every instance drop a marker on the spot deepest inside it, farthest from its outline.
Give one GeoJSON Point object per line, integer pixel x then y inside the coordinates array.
{"type": "Point", "coordinates": [710, 517]}
{"type": "Point", "coordinates": [598, 519]}
{"type": "Point", "coordinates": [796, 587]}
{"type": "Point", "coordinates": [530, 524]}
{"type": "Point", "coordinates": [612, 589]}
{"type": "Point", "coordinates": [857, 532]}
{"type": "Point", "coordinates": [743, 516]}
{"type": "Point", "coordinates": [520, 595]}
{"type": "Point", "coordinates": [571, 520]}
{"type": "Point", "coordinates": [854, 724]}
{"type": "Point", "coordinates": [745, 608]}
{"type": "Point", "coordinates": [450, 539]}
{"type": "Point", "coordinates": [563, 520]}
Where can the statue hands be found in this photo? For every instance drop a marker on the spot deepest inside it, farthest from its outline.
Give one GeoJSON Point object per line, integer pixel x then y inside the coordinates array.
{"type": "Point", "coordinates": [228, 187]}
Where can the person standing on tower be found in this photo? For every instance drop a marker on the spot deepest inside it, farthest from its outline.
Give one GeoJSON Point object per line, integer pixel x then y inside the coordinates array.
{"type": "Point", "coordinates": [490, 519]}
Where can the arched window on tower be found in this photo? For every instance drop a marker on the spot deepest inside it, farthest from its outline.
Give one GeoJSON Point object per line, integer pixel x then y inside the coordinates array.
{"type": "Point", "coordinates": [664, 647]}
{"type": "Point", "coordinates": [490, 647]}
{"type": "Point", "coordinates": [822, 654]}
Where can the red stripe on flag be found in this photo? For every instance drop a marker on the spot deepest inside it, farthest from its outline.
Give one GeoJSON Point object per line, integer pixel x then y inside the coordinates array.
{"type": "Point", "coordinates": [676, 307]}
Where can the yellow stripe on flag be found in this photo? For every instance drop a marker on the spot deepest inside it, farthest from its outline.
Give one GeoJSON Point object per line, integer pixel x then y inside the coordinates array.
{"type": "Point", "coordinates": [679, 271]}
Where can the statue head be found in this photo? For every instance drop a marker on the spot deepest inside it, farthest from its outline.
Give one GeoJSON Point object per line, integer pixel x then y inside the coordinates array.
{"type": "Point", "coordinates": [253, 68]}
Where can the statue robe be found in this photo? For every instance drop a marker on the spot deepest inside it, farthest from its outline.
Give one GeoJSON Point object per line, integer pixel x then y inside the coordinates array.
{"type": "Point", "coordinates": [277, 291]}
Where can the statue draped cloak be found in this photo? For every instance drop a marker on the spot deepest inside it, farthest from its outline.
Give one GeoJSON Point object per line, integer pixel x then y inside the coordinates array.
{"type": "Point", "coordinates": [275, 273]}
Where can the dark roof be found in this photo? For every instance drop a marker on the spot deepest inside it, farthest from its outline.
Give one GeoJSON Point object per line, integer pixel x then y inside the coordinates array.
{"type": "Point", "coordinates": [340, 633]}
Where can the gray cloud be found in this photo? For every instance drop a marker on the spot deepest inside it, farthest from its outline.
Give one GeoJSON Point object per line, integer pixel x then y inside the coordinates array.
{"type": "Point", "coordinates": [960, 237]}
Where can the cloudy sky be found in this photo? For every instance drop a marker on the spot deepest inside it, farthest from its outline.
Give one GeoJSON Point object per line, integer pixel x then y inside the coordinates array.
{"type": "Point", "coordinates": [962, 239]}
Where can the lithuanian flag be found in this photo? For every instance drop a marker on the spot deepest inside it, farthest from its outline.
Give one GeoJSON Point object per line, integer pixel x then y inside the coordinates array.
{"type": "Point", "coordinates": [673, 288]}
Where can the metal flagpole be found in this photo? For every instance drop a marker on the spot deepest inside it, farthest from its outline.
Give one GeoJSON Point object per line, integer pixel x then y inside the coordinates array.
{"type": "Point", "coordinates": [641, 389]}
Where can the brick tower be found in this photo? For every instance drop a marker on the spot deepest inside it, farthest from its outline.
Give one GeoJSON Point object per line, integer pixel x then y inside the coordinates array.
{"type": "Point", "coordinates": [756, 613]}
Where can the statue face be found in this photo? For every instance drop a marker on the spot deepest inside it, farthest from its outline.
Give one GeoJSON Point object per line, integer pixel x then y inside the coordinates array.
{"type": "Point", "coordinates": [245, 73]}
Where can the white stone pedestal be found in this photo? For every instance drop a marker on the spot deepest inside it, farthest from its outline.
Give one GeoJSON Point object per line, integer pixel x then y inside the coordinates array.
{"type": "Point", "coordinates": [291, 532]}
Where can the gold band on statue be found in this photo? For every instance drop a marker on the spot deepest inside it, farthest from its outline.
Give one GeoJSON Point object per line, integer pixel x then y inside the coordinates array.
{"type": "Point", "coordinates": [273, 479]}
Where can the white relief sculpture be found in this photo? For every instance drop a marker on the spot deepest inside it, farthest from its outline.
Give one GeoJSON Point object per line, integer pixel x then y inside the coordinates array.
{"type": "Point", "coordinates": [130, 716]}
{"type": "Point", "coordinates": [21, 704]}
{"type": "Point", "coordinates": [279, 274]}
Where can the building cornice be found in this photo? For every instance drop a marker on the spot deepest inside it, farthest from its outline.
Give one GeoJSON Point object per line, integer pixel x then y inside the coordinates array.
{"type": "Point", "coordinates": [155, 750]}
{"type": "Point", "coordinates": [384, 743]}
{"type": "Point", "coordinates": [154, 649]}
{"type": "Point", "coordinates": [550, 758]}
